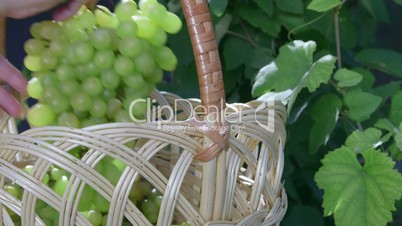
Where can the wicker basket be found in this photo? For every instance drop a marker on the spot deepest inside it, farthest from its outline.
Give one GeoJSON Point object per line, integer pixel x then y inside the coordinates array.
{"type": "Point", "coordinates": [227, 176]}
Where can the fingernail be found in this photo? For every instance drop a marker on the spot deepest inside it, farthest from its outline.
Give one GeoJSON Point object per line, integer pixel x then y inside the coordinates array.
{"type": "Point", "coordinates": [21, 115]}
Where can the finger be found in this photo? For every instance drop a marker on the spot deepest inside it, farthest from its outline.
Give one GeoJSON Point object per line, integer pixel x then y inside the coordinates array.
{"type": "Point", "coordinates": [9, 104]}
{"type": "Point", "coordinates": [67, 10]}
{"type": "Point", "coordinates": [31, 8]}
{"type": "Point", "coordinates": [12, 76]}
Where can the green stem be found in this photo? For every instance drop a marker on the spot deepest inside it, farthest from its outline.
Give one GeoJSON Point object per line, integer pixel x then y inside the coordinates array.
{"type": "Point", "coordinates": [337, 38]}
{"type": "Point", "coordinates": [243, 37]}
{"type": "Point", "coordinates": [305, 25]}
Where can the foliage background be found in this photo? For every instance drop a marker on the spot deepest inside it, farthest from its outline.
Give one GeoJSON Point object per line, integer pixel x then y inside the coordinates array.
{"type": "Point", "coordinates": [250, 34]}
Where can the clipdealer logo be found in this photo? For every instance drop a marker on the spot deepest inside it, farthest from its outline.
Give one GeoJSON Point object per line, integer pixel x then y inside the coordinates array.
{"type": "Point", "coordinates": [263, 115]}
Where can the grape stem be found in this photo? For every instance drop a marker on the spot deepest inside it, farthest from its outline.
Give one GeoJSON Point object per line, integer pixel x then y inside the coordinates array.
{"type": "Point", "coordinates": [243, 37]}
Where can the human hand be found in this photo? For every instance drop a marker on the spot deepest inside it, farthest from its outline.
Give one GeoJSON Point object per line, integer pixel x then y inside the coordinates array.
{"type": "Point", "coordinates": [25, 8]}
{"type": "Point", "coordinates": [13, 78]}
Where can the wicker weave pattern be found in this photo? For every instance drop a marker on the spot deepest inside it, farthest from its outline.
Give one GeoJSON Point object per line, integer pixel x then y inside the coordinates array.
{"type": "Point", "coordinates": [241, 186]}
{"type": "Point", "coordinates": [254, 195]}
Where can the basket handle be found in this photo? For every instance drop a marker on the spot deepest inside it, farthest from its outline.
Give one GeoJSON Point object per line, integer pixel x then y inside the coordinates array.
{"type": "Point", "coordinates": [3, 36]}
{"type": "Point", "coordinates": [209, 71]}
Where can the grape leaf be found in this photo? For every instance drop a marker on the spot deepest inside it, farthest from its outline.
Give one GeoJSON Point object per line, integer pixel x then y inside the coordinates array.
{"type": "Point", "coordinates": [347, 78]}
{"type": "Point", "coordinates": [386, 124]}
{"type": "Point", "coordinates": [398, 2]}
{"type": "Point", "coordinates": [387, 90]}
{"type": "Point", "coordinates": [234, 56]}
{"type": "Point", "coordinates": [291, 6]}
{"type": "Point", "coordinates": [218, 7]}
{"type": "Point", "coordinates": [323, 5]}
{"type": "Point", "coordinates": [293, 70]}
{"type": "Point", "coordinates": [257, 18]}
{"type": "Point", "coordinates": [385, 60]}
{"type": "Point", "coordinates": [325, 114]}
{"type": "Point", "coordinates": [360, 141]}
{"type": "Point", "coordinates": [222, 26]}
{"type": "Point", "coordinates": [377, 9]}
{"type": "Point", "coordinates": [359, 195]}
{"type": "Point", "coordinates": [266, 5]}
{"type": "Point", "coordinates": [361, 104]}
{"type": "Point", "coordinates": [396, 109]}
{"type": "Point", "coordinates": [320, 72]}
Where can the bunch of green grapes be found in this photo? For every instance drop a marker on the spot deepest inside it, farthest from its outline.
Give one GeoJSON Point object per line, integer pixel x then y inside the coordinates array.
{"type": "Point", "coordinates": [89, 69]}
{"type": "Point", "coordinates": [92, 205]}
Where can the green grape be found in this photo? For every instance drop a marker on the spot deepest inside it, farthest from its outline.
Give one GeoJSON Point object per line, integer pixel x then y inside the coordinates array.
{"type": "Point", "coordinates": [158, 201]}
{"type": "Point", "coordinates": [104, 59]}
{"type": "Point", "coordinates": [134, 81]}
{"type": "Point", "coordinates": [70, 55]}
{"type": "Point", "coordinates": [153, 194]}
{"type": "Point", "coordinates": [171, 23]}
{"type": "Point", "coordinates": [34, 88]}
{"type": "Point", "coordinates": [69, 87]}
{"type": "Point", "coordinates": [87, 20]}
{"type": "Point", "coordinates": [33, 63]}
{"type": "Point", "coordinates": [49, 79]}
{"type": "Point", "coordinates": [135, 192]}
{"type": "Point", "coordinates": [28, 168]}
{"type": "Point", "coordinates": [14, 190]}
{"type": "Point", "coordinates": [46, 179]}
{"type": "Point", "coordinates": [58, 46]}
{"type": "Point", "coordinates": [146, 5]}
{"type": "Point", "coordinates": [40, 204]}
{"type": "Point", "coordinates": [34, 47]}
{"type": "Point", "coordinates": [110, 79]}
{"type": "Point", "coordinates": [80, 101]}
{"type": "Point", "coordinates": [60, 186]}
{"type": "Point", "coordinates": [102, 39]}
{"type": "Point", "coordinates": [100, 203]}
{"type": "Point", "coordinates": [122, 116]}
{"type": "Point", "coordinates": [81, 72]}
{"type": "Point", "coordinates": [159, 39]}
{"type": "Point", "coordinates": [49, 93]}
{"type": "Point", "coordinates": [58, 103]}
{"type": "Point", "coordinates": [91, 68]}
{"type": "Point", "coordinates": [130, 46]}
{"type": "Point", "coordinates": [165, 58]}
{"type": "Point", "coordinates": [98, 108]}
{"type": "Point", "coordinates": [48, 214]}
{"type": "Point", "coordinates": [157, 13]}
{"type": "Point", "coordinates": [108, 94]}
{"type": "Point", "coordinates": [83, 51]}
{"type": "Point", "coordinates": [87, 198]}
{"type": "Point", "coordinates": [92, 86]}
{"type": "Point", "coordinates": [65, 72]}
{"type": "Point", "coordinates": [146, 28]}
{"type": "Point", "coordinates": [112, 173]}
{"type": "Point", "coordinates": [104, 18]}
{"type": "Point", "coordinates": [40, 115]}
{"type": "Point", "coordinates": [123, 65]}
{"type": "Point", "coordinates": [125, 9]}
{"type": "Point", "coordinates": [71, 28]}
{"type": "Point", "coordinates": [35, 31]}
{"type": "Point", "coordinates": [81, 114]}
{"type": "Point", "coordinates": [48, 60]}
{"type": "Point", "coordinates": [144, 63]}
{"type": "Point", "coordinates": [68, 119]}
{"type": "Point", "coordinates": [104, 220]}
{"type": "Point", "coordinates": [155, 77]}
{"type": "Point", "coordinates": [49, 29]}
{"type": "Point", "coordinates": [186, 224]}
{"type": "Point", "coordinates": [94, 121]}
{"type": "Point", "coordinates": [127, 29]}
{"type": "Point", "coordinates": [114, 105]}
{"type": "Point", "coordinates": [150, 210]}
{"type": "Point", "coordinates": [57, 173]}
{"type": "Point", "coordinates": [95, 217]}
{"type": "Point", "coordinates": [145, 187]}
{"type": "Point", "coordinates": [119, 164]}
